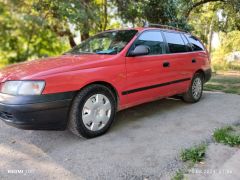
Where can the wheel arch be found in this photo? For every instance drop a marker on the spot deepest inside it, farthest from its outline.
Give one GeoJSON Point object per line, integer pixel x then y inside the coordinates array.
{"type": "Point", "coordinates": [108, 85]}
{"type": "Point", "coordinates": [200, 71]}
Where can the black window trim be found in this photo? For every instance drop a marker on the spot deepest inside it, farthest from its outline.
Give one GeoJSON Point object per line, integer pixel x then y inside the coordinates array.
{"type": "Point", "coordinates": [166, 47]}
{"type": "Point", "coordinates": [139, 34]}
{"type": "Point", "coordinates": [183, 36]}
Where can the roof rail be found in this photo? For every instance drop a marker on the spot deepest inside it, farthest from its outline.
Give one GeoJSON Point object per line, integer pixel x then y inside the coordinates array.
{"type": "Point", "coordinates": [147, 24]}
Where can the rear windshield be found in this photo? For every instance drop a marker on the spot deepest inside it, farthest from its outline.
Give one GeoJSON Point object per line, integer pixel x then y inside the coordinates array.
{"type": "Point", "coordinates": [110, 42]}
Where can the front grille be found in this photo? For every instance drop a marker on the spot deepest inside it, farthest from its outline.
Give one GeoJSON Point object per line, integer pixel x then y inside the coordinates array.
{"type": "Point", "coordinates": [6, 115]}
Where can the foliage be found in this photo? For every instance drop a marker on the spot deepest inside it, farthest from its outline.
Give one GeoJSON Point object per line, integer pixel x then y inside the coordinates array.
{"type": "Point", "coordinates": [37, 28]}
{"type": "Point", "coordinates": [60, 13]}
{"type": "Point", "coordinates": [22, 34]}
{"type": "Point", "coordinates": [194, 154]}
{"type": "Point", "coordinates": [228, 135]}
{"type": "Point", "coordinates": [209, 16]}
{"type": "Point", "coordinates": [165, 12]}
{"type": "Point", "coordinates": [230, 42]}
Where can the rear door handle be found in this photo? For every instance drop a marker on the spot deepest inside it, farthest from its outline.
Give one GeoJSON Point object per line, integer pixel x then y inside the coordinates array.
{"type": "Point", "coordinates": [166, 64]}
{"type": "Point", "coordinates": [194, 60]}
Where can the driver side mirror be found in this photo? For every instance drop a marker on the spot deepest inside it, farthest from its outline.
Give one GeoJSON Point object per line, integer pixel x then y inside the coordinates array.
{"type": "Point", "coordinates": [139, 51]}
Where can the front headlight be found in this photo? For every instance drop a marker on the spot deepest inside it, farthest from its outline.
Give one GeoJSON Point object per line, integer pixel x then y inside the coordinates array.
{"type": "Point", "coordinates": [23, 87]}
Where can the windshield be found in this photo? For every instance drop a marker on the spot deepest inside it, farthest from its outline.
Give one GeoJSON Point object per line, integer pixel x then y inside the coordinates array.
{"type": "Point", "coordinates": [111, 42]}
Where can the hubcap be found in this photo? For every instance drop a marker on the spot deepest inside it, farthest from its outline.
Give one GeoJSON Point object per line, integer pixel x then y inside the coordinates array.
{"type": "Point", "coordinates": [96, 112]}
{"type": "Point", "coordinates": [197, 88]}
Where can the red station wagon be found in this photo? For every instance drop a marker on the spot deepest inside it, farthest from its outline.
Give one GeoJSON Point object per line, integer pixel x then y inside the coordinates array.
{"type": "Point", "coordinates": [114, 70]}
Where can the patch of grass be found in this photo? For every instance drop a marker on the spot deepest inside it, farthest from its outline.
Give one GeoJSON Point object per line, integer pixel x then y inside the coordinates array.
{"type": "Point", "coordinates": [178, 176]}
{"type": "Point", "coordinates": [212, 87]}
{"type": "Point", "coordinates": [194, 154]}
{"type": "Point", "coordinates": [229, 135]}
{"type": "Point", "coordinates": [190, 156]}
{"type": "Point", "coordinates": [233, 91]}
{"type": "Point", "coordinates": [225, 79]}
{"type": "Point", "coordinates": [224, 82]}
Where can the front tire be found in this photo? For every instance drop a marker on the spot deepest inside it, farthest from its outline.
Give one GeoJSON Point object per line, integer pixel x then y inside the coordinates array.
{"type": "Point", "coordinates": [195, 90]}
{"type": "Point", "coordinates": [93, 111]}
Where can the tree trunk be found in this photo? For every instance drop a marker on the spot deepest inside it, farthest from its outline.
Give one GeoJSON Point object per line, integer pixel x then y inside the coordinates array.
{"type": "Point", "coordinates": [105, 15]}
{"type": "Point", "coordinates": [84, 36]}
{"type": "Point", "coordinates": [210, 37]}
{"type": "Point", "coordinates": [71, 41]}
{"type": "Point", "coordinates": [67, 33]}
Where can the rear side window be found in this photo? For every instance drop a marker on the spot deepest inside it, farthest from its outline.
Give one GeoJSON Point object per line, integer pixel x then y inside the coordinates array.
{"type": "Point", "coordinates": [175, 42]}
{"type": "Point", "coordinates": [195, 43]}
{"type": "Point", "coordinates": [153, 40]}
{"type": "Point", "coordinates": [187, 44]}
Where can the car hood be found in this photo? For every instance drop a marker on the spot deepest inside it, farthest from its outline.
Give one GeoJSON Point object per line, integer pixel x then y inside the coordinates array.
{"type": "Point", "coordinates": [41, 67]}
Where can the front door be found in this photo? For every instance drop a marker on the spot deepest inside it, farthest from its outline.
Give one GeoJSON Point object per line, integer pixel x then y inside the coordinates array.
{"type": "Point", "coordinates": [148, 76]}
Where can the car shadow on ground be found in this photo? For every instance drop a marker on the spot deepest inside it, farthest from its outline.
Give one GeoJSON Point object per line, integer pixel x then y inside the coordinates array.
{"type": "Point", "coordinates": [125, 120]}
{"type": "Point", "coordinates": [144, 112]}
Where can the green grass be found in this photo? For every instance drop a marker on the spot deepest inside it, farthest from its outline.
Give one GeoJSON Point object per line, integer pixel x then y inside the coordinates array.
{"type": "Point", "coordinates": [191, 156]}
{"type": "Point", "coordinates": [194, 154]}
{"type": "Point", "coordinates": [224, 83]}
{"type": "Point", "coordinates": [178, 176]}
{"type": "Point", "coordinates": [213, 87]}
{"type": "Point", "coordinates": [225, 79]}
{"type": "Point", "coordinates": [229, 135]}
{"type": "Point", "coordinates": [233, 91]}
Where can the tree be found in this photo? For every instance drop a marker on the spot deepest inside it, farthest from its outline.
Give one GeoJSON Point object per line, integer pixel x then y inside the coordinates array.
{"type": "Point", "coordinates": [164, 12]}
{"type": "Point", "coordinates": [36, 28]}
{"type": "Point", "coordinates": [87, 16]}
{"type": "Point", "coordinates": [209, 16]}
{"type": "Point", "coordinates": [22, 33]}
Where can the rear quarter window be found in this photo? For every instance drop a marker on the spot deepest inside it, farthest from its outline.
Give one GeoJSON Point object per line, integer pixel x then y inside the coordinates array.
{"type": "Point", "coordinates": [175, 42]}
{"type": "Point", "coordinates": [195, 43]}
{"type": "Point", "coordinates": [187, 44]}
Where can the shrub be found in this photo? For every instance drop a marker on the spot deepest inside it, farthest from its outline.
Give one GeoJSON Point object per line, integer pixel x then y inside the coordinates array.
{"type": "Point", "coordinates": [194, 154]}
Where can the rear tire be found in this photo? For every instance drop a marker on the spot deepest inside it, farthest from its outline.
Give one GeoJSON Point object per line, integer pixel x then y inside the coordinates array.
{"type": "Point", "coordinates": [195, 90]}
{"type": "Point", "coordinates": [93, 111]}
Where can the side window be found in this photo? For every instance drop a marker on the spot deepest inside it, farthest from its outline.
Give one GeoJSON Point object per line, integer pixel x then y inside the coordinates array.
{"type": "Point", "coordinates": [175, 42]}
{"type": "Point", "coordinates": [195, 43]}
{"type": "Point", "coordinates": [187, 44]}
{"type": "Point", "coordinates": [153, 40]}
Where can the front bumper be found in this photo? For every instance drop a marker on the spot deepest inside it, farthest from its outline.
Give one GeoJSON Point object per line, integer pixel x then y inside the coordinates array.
{"type": "Point", "coordinates": [41, 112]}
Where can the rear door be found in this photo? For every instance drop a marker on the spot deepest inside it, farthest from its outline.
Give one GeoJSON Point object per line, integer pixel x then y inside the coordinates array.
{"type": "Point", "coordinates": [179, 58]}
{"type": "Point", "coordinates": [199, 56]}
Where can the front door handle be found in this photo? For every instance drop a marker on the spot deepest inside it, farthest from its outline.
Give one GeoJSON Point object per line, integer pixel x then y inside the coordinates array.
{"type": "Point", "coordinates": [166, 64]}
{"type": "Point", "coordinates": [194, 60]}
